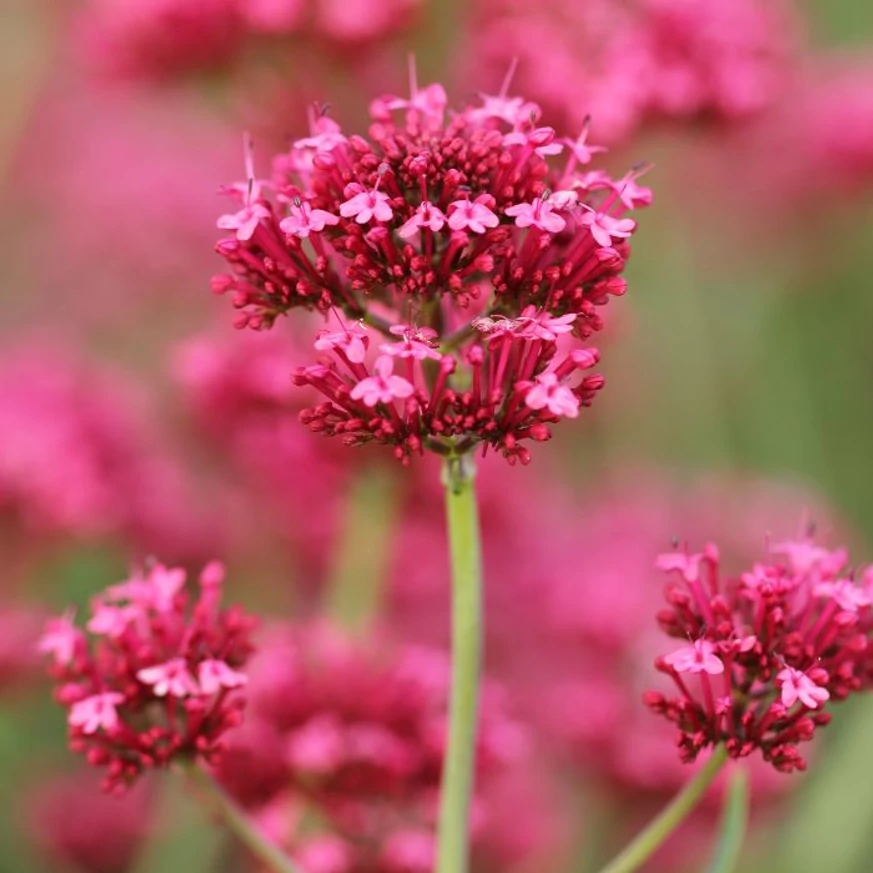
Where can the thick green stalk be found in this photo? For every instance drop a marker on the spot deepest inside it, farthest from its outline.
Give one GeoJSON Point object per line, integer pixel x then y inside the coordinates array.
{"type": "Point", "coordinates": [238, 822]}
{"type": "Point", "coordinates": [638, 851]}
{"type": "Point", "coordinates": [457, 783]}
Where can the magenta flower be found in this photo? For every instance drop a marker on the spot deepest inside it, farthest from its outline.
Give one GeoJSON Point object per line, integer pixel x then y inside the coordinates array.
{"type": "Point", "coordinates": [797, 686]}
{"type": "Point", "coordinates": [171, 679]}
{"type": "Point", "coordinates": [96, 713]}
{"type": "Point", "coordinates": [549, 393]}
{"type": "Point", "coordinates": [352, 340]}
{"type": "Point", "coordinates": [61, 638]}
{"type": "Point", "coordinates": [213, 675]}
{"type": "Point", "coordinates": [303, 220]}
{"type": "Point", "coordinates": [771, 648]}
{"type": "Point", "coordinates": [605, 228]}
{"type": "Point", "coordinates": [699, 657]}
{"type": "Point", "coordinates": [134, 702]}
{"type": "Point", "coordinates": [366, 206]}
{"type": "Point", "coordinates": [384, 387]}
{"type": "Point", "coordinates": [472, 215]}
{"type": "Point", "coordinates": [244, 222]}
{"type": "Point", "coordinates": [426, 216]}
{"type": "Point", "coordinates": [338, 727]}
{"type": "Point", "coordinates": [537, 214]}
{"type": "Point", "coordinates": [461, 226]}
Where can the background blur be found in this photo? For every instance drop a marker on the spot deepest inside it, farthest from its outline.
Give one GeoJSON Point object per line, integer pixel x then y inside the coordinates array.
{"type": "Point", "coordinates": [135, 421]}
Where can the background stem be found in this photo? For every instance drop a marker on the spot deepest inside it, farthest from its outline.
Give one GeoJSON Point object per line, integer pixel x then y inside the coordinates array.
{"type": "Point", "coordinates": [236, 820]}
{"type": "Point", "coordinates": [638, 851]}
{"type": "Point", "coordinates": [464, 551]}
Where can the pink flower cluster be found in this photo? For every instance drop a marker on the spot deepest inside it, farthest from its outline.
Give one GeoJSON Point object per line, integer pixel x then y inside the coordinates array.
{"type": "Point", "coordinates": [155, 681]}
{"type": "Point", "coordinates": [628, 63]}
{"type": "Point", "coordinates": [351, 734]}
{"type": "Point", "coordinates": [79, 458]}
{"type": "Point", "coordinates": [160, 39]}
{"type": "Point", "coordinates": [764, 652]}
{"type": "Point", "coordinates": [457, 240]}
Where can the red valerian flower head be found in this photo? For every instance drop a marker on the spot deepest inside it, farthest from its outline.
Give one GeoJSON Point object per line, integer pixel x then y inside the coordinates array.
{"type": "Point", "coordinates": [342, 751]}
{"type": "Point", "coordinates": [153, 680]}
{"type": "Point", "coordinates": [451, 226]}
{"type": "Point", "coordinates": [763, 652]}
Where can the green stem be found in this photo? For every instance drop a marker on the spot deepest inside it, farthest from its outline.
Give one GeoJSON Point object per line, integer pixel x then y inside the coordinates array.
{"type": "Point", "coordinates": [457, 783]}
{"type": "Point", "coordinates": [734, 823]}
{"type": "Point", "coordinates": [239, 823]}
{"type": "Point", "coordinates": [638, 851]}
{"type": "Point", "coordinates": [362, 555]}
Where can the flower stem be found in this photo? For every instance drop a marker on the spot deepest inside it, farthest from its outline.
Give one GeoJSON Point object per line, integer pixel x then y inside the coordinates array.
{"type": "Point", "coordinates": [457, 782]}
{"type": "Point", "coordinates": [638, 851]}
{"type": "Point", "coordinates": [239, 823]}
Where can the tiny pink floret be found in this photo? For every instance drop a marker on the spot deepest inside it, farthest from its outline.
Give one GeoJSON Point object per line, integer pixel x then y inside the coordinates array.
{"type": "Point", "coordinates": [699, 657]}
{"type": "Point", "coordinates": [796, 685]}
{"type": "Point", "coordinates": [213, 675]}
{"type": "Point", "coordinates": [171, 678]}
{"type": "Point", "coordinates": [366, 206]}
{"type": "Point", "coordinates": [384, 387]}
{"type": "Point", "coordinates": [96, 712]}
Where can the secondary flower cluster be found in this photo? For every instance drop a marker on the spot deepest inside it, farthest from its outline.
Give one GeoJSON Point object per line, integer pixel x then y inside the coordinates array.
{"type": "Point", "coordinates": [639, 61]}
{"type": "Point", "coordinates": [456, 239]}
{"type": "Point", "coordinates": [155, 681]}
{"type": "Point", "coordinates": [351, 735]}
{"type": "Point", "coordinates": [161, 39]}
{"type": "Point", "coordinates": [765, 651]}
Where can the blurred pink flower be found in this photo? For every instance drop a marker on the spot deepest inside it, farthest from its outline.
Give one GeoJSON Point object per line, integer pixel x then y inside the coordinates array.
{"type": "Point", "coordinates": [616, 66]}
{"type": "Point", "coordinates": [362, 722]}
{"type": "Point", "coordinates": [81, 457]}
{"type": "Point", "coordinates": [163, 40]}
{"type": "Point", "coordinates": [74, 824]}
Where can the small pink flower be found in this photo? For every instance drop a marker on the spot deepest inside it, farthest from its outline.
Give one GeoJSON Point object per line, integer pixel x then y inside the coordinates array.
{"type": "Point", "coordinates": [427, 215]}
{"type": "Point", "coordinates": [96, 712]}
{"type": "Point", "coordinates": [539, 213]}
{"type": "Point", "coordinates": [579, 148]}
{"type": "Point", "coordinates": [383, 387]}
{"type": "Point", "coordinates": [61, 637]}
{"type": "Point", "coordinates": [214, 675]}
{"type": "Point", "coordinates": [545, 327]}
{"type": "Point", "coordinates": [245, 221]}
{"type": "Point", "coordinates": [682, 562]}
{"type": "Point", "coordinates": [630, 193]}
{"type": "Point", "coordinates": [326, 136]}
{"type": "Point", "coordinates": [367, 205]}
{"type": "Point", "coordinates": [806, 556]}
{"type": "Point", "coordinates": [352, 340]}
{"type": "Point", "coordinates": [430, 101]}
{"type": "Point", "coordinates": [418, 343]}
{"type": "Point", "coordinates": [471, 215]}
{"type": "Point", "coordinates": [317, 746]}
{"type": "Point", "coordinates": [165, 585]}
{"type": "Point", "coordinates": [303, 220]}
{"type": "Point", "coordinates": [112, 621]}
{"type": "Point", "coordinates": [512, 110]}
{"type": "Point", "coordinates": [699, 657]}
{"type": "Point", "coordinates": [170, 678]}
{"type": "Point", "coordinates": [605, 228]}
{"type": "Point", "coordinates": [847, 595]}
{"type": "Point", "coordinates": [796, 685]}
{"type": "Point", "coordinates": [542, 139]}
{"type": "Point", "coordinates": [549, 394]}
